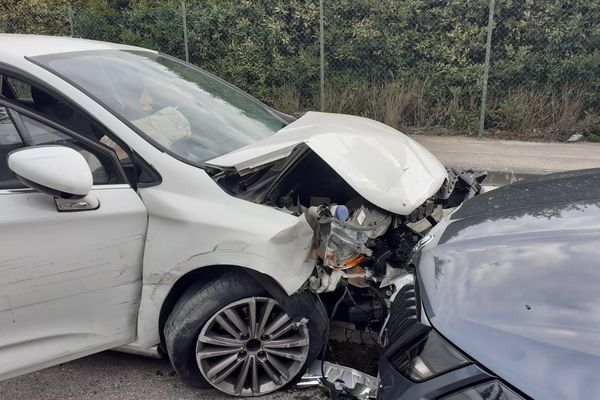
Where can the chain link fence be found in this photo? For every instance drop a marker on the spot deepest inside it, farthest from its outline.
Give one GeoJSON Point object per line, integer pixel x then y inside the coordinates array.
{"type": "Point", "coordinates": [527, 69]}
{"type": "Point", "coordinates": [545, 67]}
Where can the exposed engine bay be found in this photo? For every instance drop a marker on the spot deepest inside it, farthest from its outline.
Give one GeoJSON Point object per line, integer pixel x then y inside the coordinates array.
{"type": "Point", "coordinates": [357, 246]}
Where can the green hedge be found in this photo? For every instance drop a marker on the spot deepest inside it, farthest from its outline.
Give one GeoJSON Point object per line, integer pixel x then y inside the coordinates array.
{"type": "Point", "coordinates": [432, 51]}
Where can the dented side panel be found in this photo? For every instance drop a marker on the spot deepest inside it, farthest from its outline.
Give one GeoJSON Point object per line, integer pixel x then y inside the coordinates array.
{"type": "Point", "coordinates": [194, 224]}
{"type": "Point", "coordinates": [70, 283]}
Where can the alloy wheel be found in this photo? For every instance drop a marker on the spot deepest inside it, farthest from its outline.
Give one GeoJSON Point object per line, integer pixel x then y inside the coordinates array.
{"type": "Point", "coordinates": [251, 347]}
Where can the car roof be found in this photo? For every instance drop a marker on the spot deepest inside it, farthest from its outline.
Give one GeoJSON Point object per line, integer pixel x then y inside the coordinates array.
{"type": "Point", "coordinates": [15, 47]}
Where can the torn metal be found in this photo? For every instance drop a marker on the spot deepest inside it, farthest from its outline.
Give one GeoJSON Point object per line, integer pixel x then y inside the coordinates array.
{"type": "Point", "coordinates": [357, 243]}
{"type": "Point", "coordinates": [343, 380]}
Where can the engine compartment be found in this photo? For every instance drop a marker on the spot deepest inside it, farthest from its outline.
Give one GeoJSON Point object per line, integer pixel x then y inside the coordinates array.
{"type": "Point", "coordinates": [357, 246]}
{"type": "Point", "coordinates": [292, 184]}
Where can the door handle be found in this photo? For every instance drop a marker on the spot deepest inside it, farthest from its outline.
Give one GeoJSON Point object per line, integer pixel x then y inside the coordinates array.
{"type": "Point", "coordinates": [79, 205]}
{"type": "Point", "coordinates": [88, 203]}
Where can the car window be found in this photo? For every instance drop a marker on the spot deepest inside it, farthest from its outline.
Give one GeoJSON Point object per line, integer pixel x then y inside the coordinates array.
{"type": "Point", "coordinates": [181, 109]}
{"type": "Point", "coordinates": [45, 103]}
{"type": "Point", "coordinates": [21, 89]}
{"type": "Point", "coordinates": [34, 133]}
{"type": "Point", "coordinates": [103, 167]}
{"type": "Point", "coordinates": [5, 89]}
{"type": "Point", "coordinates": [9, 141]}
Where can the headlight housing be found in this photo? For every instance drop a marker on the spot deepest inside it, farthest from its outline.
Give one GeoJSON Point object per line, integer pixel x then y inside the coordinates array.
{"type": "Point", "coordinates": [428, 356]}
{"type": "Point", "coordinates": [488, 390]}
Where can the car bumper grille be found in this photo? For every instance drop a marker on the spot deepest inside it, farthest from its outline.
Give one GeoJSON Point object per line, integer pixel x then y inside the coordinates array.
{"type": "Point", "coordinates": [404, 313]}
{"type": "Point", "coordinates": [404, 324]}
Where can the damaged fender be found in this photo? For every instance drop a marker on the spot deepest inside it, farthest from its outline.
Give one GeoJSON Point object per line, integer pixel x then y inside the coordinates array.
{"type": "Point", "coordinates": [234, 233]}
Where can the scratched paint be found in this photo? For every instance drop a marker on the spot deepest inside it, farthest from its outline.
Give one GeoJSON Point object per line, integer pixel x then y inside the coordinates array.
{"type": "Point", "coordinates": [70, 283]}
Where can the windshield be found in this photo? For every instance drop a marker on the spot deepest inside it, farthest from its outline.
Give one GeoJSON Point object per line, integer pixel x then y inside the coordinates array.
{"type": "Point", "coordinates": [178, 107]}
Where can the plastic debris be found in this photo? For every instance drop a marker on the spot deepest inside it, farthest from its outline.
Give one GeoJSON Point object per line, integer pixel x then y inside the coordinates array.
{"type": "Point", "coordinates": [345, 381]}
{"type": "Point", "coordinates": [576, 137]}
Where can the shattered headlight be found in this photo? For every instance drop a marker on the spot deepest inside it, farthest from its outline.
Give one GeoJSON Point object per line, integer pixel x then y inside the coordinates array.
{"type": "Point", "coordinates": [342, 243]}
{"type": "Point", "coordinates": [488, 390]}
{"type": "Point", "coordinates": [430, 355]}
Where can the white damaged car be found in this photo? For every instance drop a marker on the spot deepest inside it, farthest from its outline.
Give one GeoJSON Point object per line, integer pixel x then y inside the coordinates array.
{"type": "Point", "coordinates": [148, 205]}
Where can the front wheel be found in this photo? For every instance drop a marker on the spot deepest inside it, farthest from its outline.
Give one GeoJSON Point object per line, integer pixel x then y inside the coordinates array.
{"type": "Point", "coordinates": [231, 335]}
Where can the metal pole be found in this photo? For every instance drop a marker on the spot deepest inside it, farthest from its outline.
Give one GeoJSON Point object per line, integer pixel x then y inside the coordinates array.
{"type": "Point", "coordinates": [185, 35]}
{"type": "Point", "coordinates": [71, 19]}
{"type": "Point", "coordinates": [322, 51]}
{"type": "Point", "coordinates": [4, 23]}
{"type": "Point", "coordinates": [486, 67]}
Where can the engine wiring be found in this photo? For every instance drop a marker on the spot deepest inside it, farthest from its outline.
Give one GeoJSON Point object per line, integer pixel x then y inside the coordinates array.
{"type": "Point", "coordinates": [329, 385]}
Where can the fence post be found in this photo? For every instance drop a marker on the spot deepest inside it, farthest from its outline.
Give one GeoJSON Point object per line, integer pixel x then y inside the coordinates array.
{"type": "Point", "coordinates": [322, 54]}
{"type": "Point", "coordinates": [4, 23]}
{"type": "Point", "coordinates": [71, 19]}
{"type": "Point", "coordinates": [486, 67]}
{"type": "Point", "coordinates": [185, 34]}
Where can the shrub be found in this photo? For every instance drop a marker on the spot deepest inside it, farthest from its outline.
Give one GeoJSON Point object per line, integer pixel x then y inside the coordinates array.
{"type": "Point", "coordinates": [409, 63]}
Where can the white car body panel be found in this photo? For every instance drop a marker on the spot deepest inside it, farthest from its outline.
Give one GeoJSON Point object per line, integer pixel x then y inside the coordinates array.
{"type": "Point", "coordinates": [204, 226]}
{"type": "Point", "coordinates": [191, 223]}
{"type": "Point", "coordinates": [35, 45]}
{"type": "Point", "coordinates": [70, 283]}
{"type": "Point", "coordinates": [383, 165]}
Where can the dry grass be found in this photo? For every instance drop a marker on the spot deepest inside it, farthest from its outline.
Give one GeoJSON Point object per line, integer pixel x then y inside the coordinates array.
{"type": "Point", "coordinates": [546, 114]}
{"type": "Point", "coordinates": [402, 105]}
{"type": "Point", "coordinates": [287, 99]}
{"type": "Point", "coordinates": [553, 110]}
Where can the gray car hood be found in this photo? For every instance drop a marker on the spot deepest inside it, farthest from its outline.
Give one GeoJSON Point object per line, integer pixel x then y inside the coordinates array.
{"type": "Point", "coordinates": [513, 279]}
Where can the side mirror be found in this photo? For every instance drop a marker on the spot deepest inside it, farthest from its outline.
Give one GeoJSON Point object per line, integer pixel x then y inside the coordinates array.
{"type": "Point", "coordinates": [55, 170]}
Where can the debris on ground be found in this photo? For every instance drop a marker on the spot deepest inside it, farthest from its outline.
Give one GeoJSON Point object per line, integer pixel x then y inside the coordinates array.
{"type": "Point", "coordinates": [340, 380]}
{"type": "Point", "coordinates": [576, 137]}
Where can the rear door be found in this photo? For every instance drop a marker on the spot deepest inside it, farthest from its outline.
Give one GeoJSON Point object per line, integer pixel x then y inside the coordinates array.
{"type": "Point", "coordinates": [70, 282]}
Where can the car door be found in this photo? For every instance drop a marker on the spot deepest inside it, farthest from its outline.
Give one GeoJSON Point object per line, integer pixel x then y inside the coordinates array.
{"type": "Point", "coordinates": [70, 282]}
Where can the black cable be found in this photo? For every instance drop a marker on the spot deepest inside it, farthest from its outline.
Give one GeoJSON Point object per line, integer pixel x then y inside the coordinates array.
{"type": "Point", "coordinates": [330, 386]}
{"type": "Point", "coordinates": [370, 316]}
{"type": "Point", "coordinates": [381, 298]}
{"type": "Point", "coordinates": [324, 351]}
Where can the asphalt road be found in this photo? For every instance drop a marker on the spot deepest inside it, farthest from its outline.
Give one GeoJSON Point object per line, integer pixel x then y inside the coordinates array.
{"type": "Point", "coordinates": [511, 156]}
{"type": "Point", "coordinates": [116, 376]}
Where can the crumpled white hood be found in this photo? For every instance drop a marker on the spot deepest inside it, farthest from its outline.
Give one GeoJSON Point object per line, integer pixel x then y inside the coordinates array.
{"type": "Point", "coordinates": [383, 165]}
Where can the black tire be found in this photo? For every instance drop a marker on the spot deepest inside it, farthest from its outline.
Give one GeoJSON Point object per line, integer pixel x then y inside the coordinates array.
{"type": "Point", "coordinates": [201, 301]}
